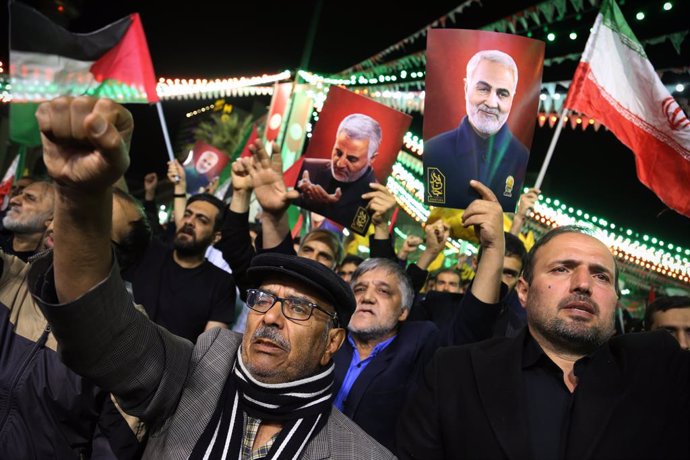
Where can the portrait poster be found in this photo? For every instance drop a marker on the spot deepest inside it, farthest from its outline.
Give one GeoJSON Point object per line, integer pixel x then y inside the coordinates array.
{"type": "Point", "coordinates": [206, 163]}
{"type": "Point", "coordinates": [355, 142]}
{"type": "Point", "coordinates": [482, 97]}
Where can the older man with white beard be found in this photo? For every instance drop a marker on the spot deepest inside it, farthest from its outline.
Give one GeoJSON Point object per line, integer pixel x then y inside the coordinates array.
{"type": "Point", "coordinates": [27, 219]}
{"type": "Point", "coordinates": [482, 146]}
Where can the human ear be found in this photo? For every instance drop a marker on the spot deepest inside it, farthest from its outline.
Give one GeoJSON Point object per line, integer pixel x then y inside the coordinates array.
{"type": "Point", "coordinates": [336, 337]}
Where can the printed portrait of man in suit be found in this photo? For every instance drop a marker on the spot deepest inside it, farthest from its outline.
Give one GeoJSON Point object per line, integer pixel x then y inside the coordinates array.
{"type": "Point", "coordinates": [482, 146]}
{"type": "Point", "coordinates": [334, 187]}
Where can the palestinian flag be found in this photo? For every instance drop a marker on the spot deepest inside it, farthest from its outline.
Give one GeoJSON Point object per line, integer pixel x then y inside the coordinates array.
{"type": "Point", "coordinates": [47, 61]}
{"type": "Point", "coordinates": [616, 84]}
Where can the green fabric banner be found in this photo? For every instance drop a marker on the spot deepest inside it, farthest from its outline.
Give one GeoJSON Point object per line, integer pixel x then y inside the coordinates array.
{"type": "Point", "coordinates": [23, 124]}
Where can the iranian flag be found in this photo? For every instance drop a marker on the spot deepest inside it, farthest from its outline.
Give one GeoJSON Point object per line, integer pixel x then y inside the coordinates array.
{"type": "Point", "coordinates": [47, 61]}
{"type": "Point", "coordinates": [616, 84]}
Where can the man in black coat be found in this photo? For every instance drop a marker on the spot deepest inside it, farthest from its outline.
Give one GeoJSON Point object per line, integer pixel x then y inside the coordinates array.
{"type": "Point", "coordinates": [563, 388]}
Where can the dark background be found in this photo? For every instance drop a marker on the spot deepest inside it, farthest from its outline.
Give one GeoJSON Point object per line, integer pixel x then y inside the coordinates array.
{"type": "Point", "coordinates": [208, 39]}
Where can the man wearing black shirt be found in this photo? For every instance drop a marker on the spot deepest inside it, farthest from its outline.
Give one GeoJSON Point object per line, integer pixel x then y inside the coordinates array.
{"type": "Point", "coordinates": [180, 289]}
{"type": "Point", "coordinates": [563, 388]}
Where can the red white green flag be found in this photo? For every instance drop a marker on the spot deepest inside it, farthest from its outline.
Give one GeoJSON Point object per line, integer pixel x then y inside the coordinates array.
{"type": "Point", "coordinates": [616, 84]}
{"type": "Point", "coordinates": [47, 60]}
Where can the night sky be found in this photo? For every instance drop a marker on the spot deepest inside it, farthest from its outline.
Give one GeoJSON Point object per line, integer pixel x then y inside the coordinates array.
{"type": "Point", "coordinates": [212, 39]}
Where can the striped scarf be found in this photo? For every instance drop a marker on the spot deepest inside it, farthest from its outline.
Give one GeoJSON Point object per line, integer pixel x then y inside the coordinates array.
{"type": "Point", "coordinates": [302, 406]}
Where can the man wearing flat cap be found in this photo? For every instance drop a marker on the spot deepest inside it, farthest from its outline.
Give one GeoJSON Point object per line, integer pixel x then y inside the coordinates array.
{"type": "Point", "coordinates": [265, 395]}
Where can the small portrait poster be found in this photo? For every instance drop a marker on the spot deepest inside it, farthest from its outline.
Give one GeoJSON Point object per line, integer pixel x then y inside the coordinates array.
{"type": "Point", "coordinates": [206, 163]}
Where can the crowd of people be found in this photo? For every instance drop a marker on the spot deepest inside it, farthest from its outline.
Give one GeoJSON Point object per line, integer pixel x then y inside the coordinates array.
{"type": "Point", "coordinates": [214, 338]}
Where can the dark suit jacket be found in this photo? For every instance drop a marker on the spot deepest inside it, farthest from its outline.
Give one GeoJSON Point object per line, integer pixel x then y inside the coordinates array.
{"type": "Point", "coordinates": [461, 155]}
{"type": "Point", "coordinates": [345, 210]}
{"type": "Point", "coordinates": [632, 403]}
{"type": "Point", "coordinates": [377, 396]}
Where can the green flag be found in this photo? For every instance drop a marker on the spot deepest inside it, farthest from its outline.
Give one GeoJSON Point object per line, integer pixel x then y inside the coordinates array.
{"type": "Point", "coordinates": [23, 124]}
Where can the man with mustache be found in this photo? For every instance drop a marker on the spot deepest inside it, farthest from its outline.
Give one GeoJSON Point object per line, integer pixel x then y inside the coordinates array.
{"type": "Point", "coordinates": [53, 412]}
{"type": "Point", "coordinates": [179, 288]}
{"type": "Point", "coordinates": [482, 146]}
{"type": "Point", "coordinates": [563, 388]}
{"type": "Point", "coordinates": [264, 395]}
{"type": "Point", "coordinates": [27, 219]}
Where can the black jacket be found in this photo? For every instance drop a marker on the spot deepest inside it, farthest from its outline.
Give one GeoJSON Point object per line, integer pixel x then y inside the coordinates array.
{"type": "Point", "coordinates": [633, 403]}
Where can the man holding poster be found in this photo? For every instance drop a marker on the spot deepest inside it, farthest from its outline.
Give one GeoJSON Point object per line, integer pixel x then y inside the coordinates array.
{"type": "Point", "coordinates": [482, 146]}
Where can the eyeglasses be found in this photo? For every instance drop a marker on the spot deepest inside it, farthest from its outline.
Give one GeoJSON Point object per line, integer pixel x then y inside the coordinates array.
{"type": "Point", "coordinates": [294, 309]}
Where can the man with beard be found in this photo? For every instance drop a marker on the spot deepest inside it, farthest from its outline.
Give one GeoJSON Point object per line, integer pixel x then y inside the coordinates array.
{"type": "Point", "coordinates": [53, 411]}
{"type": "Point", "coordinates": [180, 289]}
{"type": "Point", "coordinates": [563, 387]}
{"type": "Point", "coordinates": [482, 146]}
{"type": "Point", "coordinates": [264, 395]}
{"type": "Point", "coordinates": [27, 219]}
{"type": "Point", "coordinates": [379, 365]}
{"type": "Point", "coordinates": [383, 355]}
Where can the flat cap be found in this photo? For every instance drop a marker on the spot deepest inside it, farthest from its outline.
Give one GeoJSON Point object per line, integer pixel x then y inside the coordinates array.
{"type": "Point", "coordinates": [313, 275]}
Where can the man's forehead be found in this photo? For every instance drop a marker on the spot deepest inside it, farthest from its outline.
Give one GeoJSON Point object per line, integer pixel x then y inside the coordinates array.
{"type": "Point", "coordinates": [512, 261]}
{"type": "Point", "coordinates": [37, 188]}
{"type": "Point", "coordinates": [284, 286]}
{"type": "Point", "coordinates": [348, 267]}
{"type": "Point", "coordinates": [318, 245]}
{"type": "Point", "coordinates": [494, 74]}
{"type": "Point", "coordinates": [378, 276]}
{"type": "Point", "coordinates": [24, 182]}
{"type": "Point", "coordinates": [680, 315]}
{"type": "Point", "coordinates": [576, 246]}
{"type": "Point", "coordinates": [203, 207]}
{"type": "Point", "coordinates": [448, 276]}
{"type": "Point", "coordinates": [344, 142]}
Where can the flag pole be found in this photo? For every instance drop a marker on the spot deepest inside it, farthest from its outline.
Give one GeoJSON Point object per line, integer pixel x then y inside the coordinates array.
{"type": "Point", "coordinates": [552, 147]}
{"type": "Point", "coordinates": [166, 136]}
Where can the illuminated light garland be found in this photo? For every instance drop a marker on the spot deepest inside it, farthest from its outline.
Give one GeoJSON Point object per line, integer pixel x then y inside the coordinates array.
{"type": "Point", "coordinates": [168, 88]}
{"type": "Point", "coordinates": [408, 101]}
{"type": "Point", "coordinates": [414, 143]}
{"type": "Point", "coordinates": [315, 79]}
{"type": "Point", "coordinates": [666, 259]}
{"type": "Point", "coordinates": [406, 201]}
{"type": "Point", "coordinates": [319, 97]}
{"type": "Point", "coordinates": [410, 162]}
{"type": "Point", "coordinates": [410, 182]}
{"type": "Point", "coordinates": [42, 90]}
{"type": "Point", "coordinates": [217, 93]}
{"type": "Point", "coordinates": [199, 111]}
{"type": "Point", "coordinates": [402, 68]}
